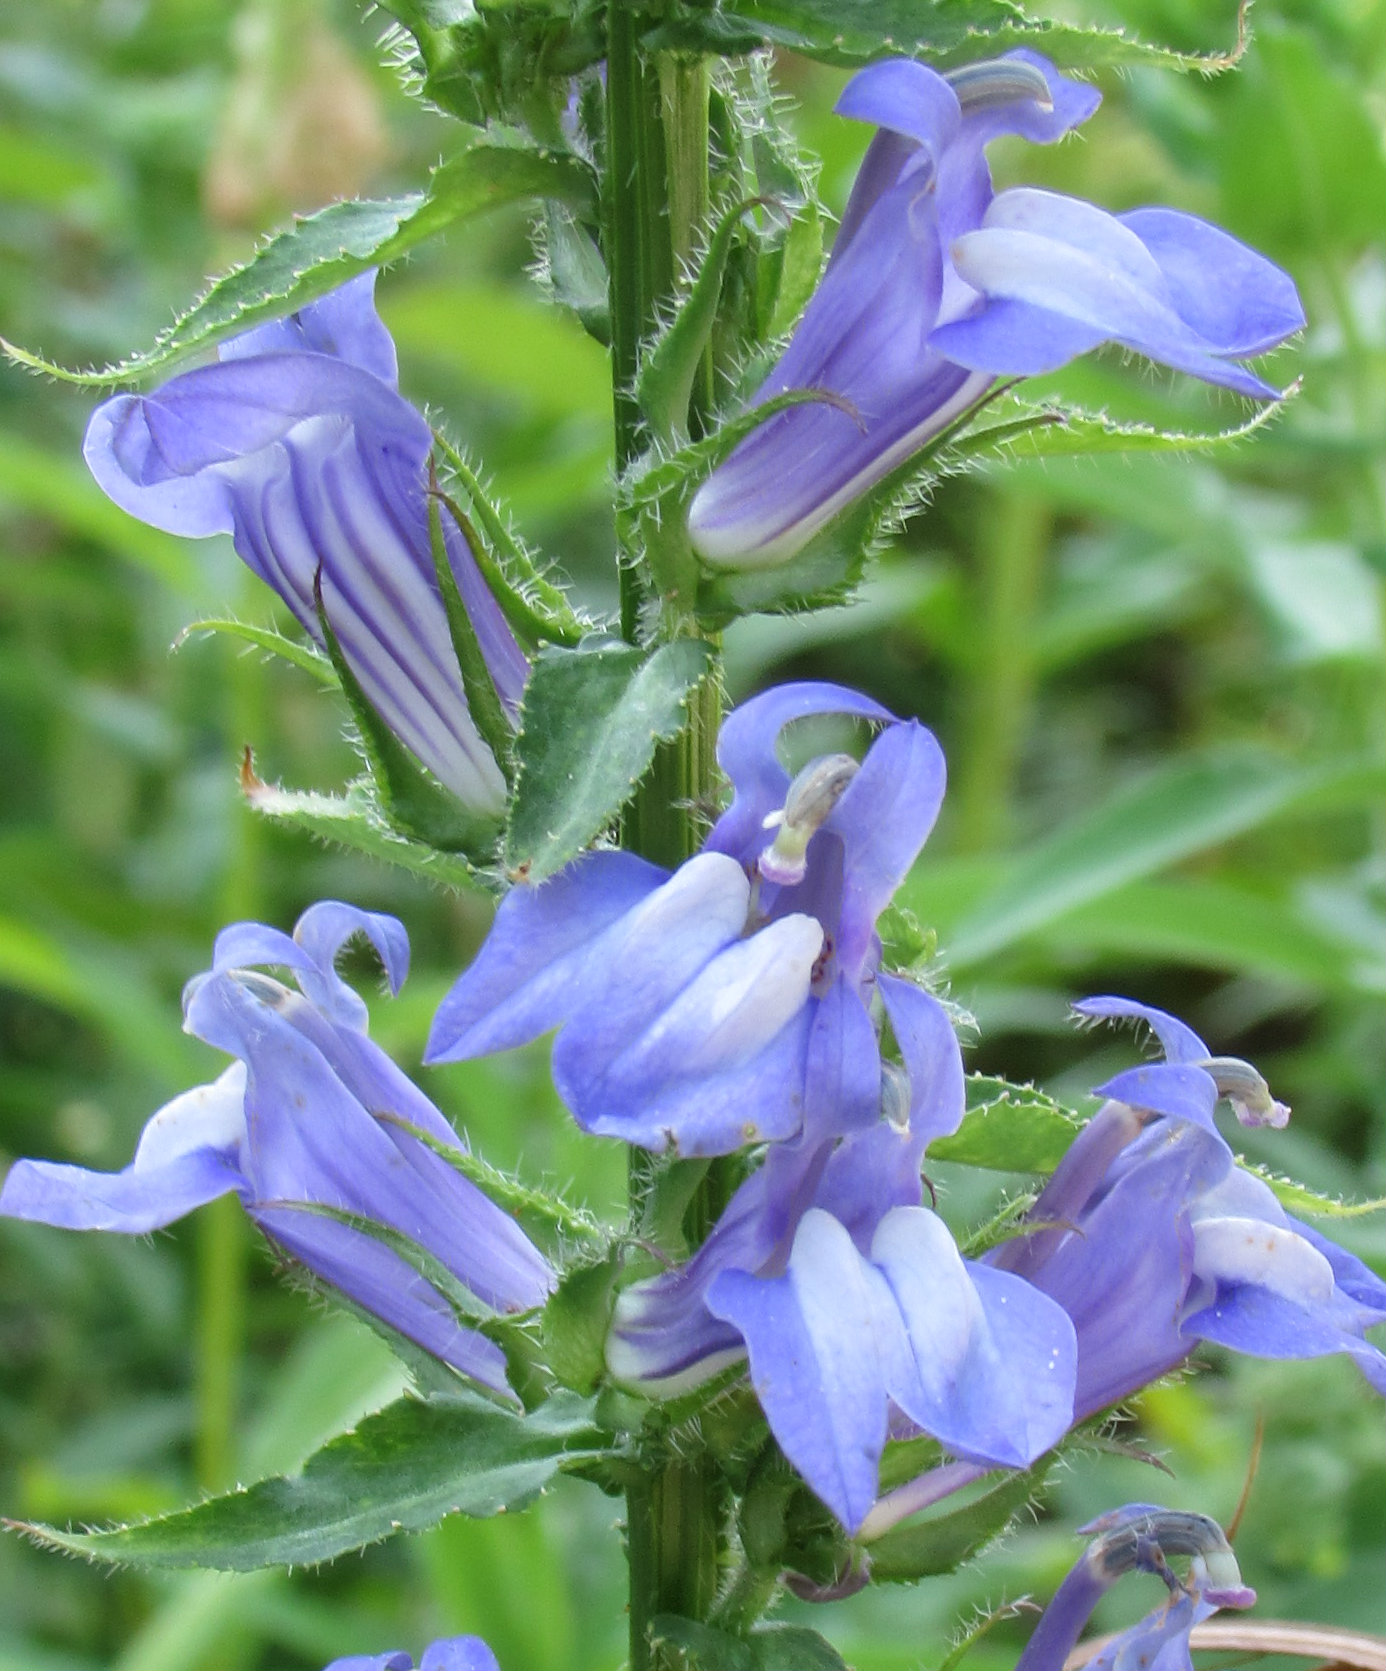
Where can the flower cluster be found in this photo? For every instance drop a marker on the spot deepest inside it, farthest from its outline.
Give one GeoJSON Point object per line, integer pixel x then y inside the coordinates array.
{"type": "Point", "coordinates": [1155, 1239]}
{"type": "Point", "coordinates": [334, 1153]}
{"type": "Point", "coordinates": [937, 288]}
{"type": "Point", "coordinates": [299, 444]}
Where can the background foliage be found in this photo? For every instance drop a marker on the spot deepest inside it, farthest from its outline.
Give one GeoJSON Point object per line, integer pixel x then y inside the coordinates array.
{"type": "Point", "coordinates": [1159, 684]}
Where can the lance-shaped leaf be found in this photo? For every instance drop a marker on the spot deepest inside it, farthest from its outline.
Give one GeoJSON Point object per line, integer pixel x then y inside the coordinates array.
{"type": "Point", "coordinates": [1017, 429]}
{"type": "Point", "coordinates": [588, 729]}
{"type": "Point", "coordinates": [322, 251]}
{"type": "Point", "coordinates": [537, 611]}
{"type": "Point", "coordinates": [483, 703]}
{"type": "Point", "coordinates": [307, 657]}
{"type": "Point", "coordinates": [1008, 1128]}
{"type": "Point", "coordinates": [353, 820]}
{"type": "Point", "coordinates": [664, 386]}
{"type": "Point", "coordinates": [401, 1470]}
{"type": "Point", "coordinates": [847, 34]}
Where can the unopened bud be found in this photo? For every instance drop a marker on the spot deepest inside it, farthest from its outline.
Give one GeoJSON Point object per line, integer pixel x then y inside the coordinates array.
{"type": "Point", "coordinates": [812, 796]}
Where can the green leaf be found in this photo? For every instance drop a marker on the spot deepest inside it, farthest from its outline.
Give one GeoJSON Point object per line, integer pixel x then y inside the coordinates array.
{"type": "Point", "coordinates": [1300, 151]}
{"type": "Point", "coordinates": [776, 1647]}
{"type": "Point", "coordinates": [354, 821]}
{"type": "Point", "coordinates": [538, 611]}
{"type": "Point", "coordinates": [849, 34]}
{"type": "Point", "coordinates": [483, 701]}
{"type": "Point", "coordinates": [320, 252]}
{"type": "Point", "coordinates": [664, 384]}
{"type": "Point", "coordinates": [305, 656]}
{"type": "Point", "coordinates": [1008, 1128]}
{"type": "Point", "coordinates": [1167, 816]}
{"type": "Point", "coordinates": [400, 1470]}
{"type": "Point", "coordinates": [801, 263]}
{"type": "Point", "coordinates": [590, 722]}
{"type": "Point", "coordinates": [942, 1542]}
{"type": "Point", "coordinates": [1299, 1198]}
{"type": "Point", "coordinates": [1022, 430]}
{"type": "Point", "coordinates": [576, 1322]}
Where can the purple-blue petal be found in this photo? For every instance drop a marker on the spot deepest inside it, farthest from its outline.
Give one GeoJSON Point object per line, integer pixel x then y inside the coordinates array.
{"type": "Point", "coordinates": [877, 1169]}
{"type": "Point", "coordinates": [397, 1661]}
{"type": "Point", "coordinates": [1270, 1325]}
{"type": "Point", "coordinates": [884, 819]}
{"type": "Point", "coordinates": [342, 324]}
{"type": "Point", "coordinates": [383, 1283]}
{"type": "Point", "coordinates": [906, 97]}
{"type": "Point", "coordinates": [458, 1653]}
{"type": "Point", "coordinates": [132, 1202]}
{"type": "Point", "coordinates": [298, 444]}
{"type": "Point", "coordinates": [817, 1337]}
{"type": "Point", "coordinates": [990, 1363]}
{"type": "Point", "coordinates": [760, 1099]}
{"type": "Point", "coordinates": [1230, 294]}
{"type": "Point", "coordinates": [310, 1139]}
{"type": "Point", "coordinates": [524, 980]}
{"type": "Point", "coordinates": [1181, 1092]}
{"type": "Point", "coordinates": [1065, 268]}
{"type": "Point", "coordinates": [1179, 1043]}
{"type": "Point", "coordinates": [188, 1154]}
{"type": "Point", "coordinates": [842, 1078]}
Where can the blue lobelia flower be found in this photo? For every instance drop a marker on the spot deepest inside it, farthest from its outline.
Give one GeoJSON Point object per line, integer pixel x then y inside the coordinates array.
{"type": "Point", "coordinates": [710, 1008]}
{"type": "Point", "coordinates": [936, 288]}
{"type": "Point", "coordinates": [450, 1653]}
{"type": "Point", "coordinates": [858, 1313]}
{"type": "Point", "coordinates": [1155, 1238]}
{"type": "Point", "coordinates": [1141, 1538]}
{"type": "Point", "coordinates": [298, 444]}
{"type": "Point", "coordinates": [315, 1129]}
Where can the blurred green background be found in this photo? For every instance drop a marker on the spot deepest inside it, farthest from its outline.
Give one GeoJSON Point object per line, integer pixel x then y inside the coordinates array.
{"type": "Point", "coordinates": [1159, 684]}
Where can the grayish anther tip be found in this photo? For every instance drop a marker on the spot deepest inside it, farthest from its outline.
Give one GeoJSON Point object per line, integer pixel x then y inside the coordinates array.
{"type": "Point", "coordinates": [1143, 1541]}
{"type": "Point", "coordinates": [811, 798]}
{"type": "Point", "coordinates": [997, 81]}
{"type": "Point", "coordinates": [1245, 1089]}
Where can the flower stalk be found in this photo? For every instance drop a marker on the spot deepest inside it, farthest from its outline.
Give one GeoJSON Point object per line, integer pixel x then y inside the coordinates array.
{"type": "Point", "coordinates": [656, 207]}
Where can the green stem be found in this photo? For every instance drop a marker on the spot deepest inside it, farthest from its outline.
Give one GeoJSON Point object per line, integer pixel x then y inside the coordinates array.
{"type": "Point", "coordinates": [223, 1242]}
{"type": "Point", "coordinates": [639, 255]}
{"type": "Point", "coordinates": [1015, 535]}
{"type": "Point", "coordinates": [656, 204]}
{"type": "Point", "coordinates": [220, 1330]}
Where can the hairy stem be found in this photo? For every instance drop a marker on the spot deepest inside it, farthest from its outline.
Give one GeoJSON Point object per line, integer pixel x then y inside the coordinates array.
{"type": "Point", "coordinates": [656, 203]}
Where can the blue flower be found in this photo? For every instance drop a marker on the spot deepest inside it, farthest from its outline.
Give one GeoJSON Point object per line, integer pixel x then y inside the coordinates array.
{"type": "Point", "coordinates": [725, 1003]}
{"type": "Point", "coordinates": [1141, 1538]}
{"type": "Point", "coordinates": [314, 1128]}
{"type": "Point", "coordinates": [1155, 1239]}
{"type": "Point", "coordinates": [298, 444]}
{"type": "Point", "coordinates": [936, 288]}
{"type": "Point", "coordinates": [859, 1316]}
{"type": "Point", "coordinates": [451, 1653]}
